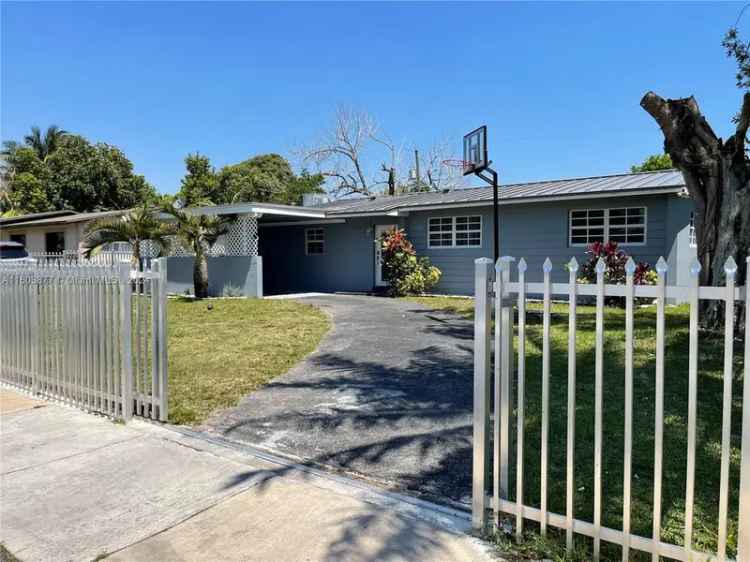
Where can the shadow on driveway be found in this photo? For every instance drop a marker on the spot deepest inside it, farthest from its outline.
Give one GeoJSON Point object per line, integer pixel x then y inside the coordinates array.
{"type": "Point", "coordinates": [388, 395]}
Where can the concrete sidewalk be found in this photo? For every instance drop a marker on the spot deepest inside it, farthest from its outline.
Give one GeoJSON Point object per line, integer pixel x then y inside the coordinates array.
{"type": "Point", "coordinates": [75, 486]}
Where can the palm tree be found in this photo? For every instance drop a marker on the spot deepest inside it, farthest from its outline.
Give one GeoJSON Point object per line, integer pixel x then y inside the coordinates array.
{"type": "Point", "coordinates": [136, 226]}
{"type": "Point", "coordinates": [44, 146]}
{"type": "Point", "coordinates": [199, 233]}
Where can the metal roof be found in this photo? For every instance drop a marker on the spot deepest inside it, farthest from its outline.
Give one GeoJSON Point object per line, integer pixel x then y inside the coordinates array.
{"type": "Point", "coordinates": [260, 208]}
{"type": "Point", "coordinates": [6, 221]}
{"type": "Point", "coordinates": [68, 219]}
{"type": "Point", "coordinates": [229, 209]}
{"type": "Point", "coordinates": [621, 184]}
{"type": "Point", "coordinates": [643, 183]}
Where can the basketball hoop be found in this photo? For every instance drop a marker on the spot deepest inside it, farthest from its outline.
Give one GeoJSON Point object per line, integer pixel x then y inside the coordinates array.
{"type": "Point", "coordinates": [466, 166]}
{"type": "Point", "coordinates": [476, 161]}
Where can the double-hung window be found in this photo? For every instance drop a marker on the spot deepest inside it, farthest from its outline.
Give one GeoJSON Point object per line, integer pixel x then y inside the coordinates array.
{"type": "Point", "coordinates": [314, 241]}
{"type": "Point", "coordinates": [454, 232]}
{"type": "Point", "coordinates": [625, 225]}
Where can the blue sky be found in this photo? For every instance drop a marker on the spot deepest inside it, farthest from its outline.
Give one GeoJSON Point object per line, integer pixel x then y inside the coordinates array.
{"type": "Point", "coordinates": [557, 84]}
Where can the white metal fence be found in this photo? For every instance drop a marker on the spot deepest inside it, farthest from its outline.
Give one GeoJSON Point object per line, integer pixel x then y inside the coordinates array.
{"type": "Point", "coordinates": [494, 412]}
{"type": "Point", "coordinates": [72, 256]}
{"type": "Point", "coordinates": [90, 335]}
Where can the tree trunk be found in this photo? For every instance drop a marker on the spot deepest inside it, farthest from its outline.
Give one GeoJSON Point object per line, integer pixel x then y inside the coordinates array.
{"type": "Point", "coordinates": [717, 175]}
{"type": "Point", "coordinates": [200, 275]}
{"type": "Point", "coordinates": [135, 259]}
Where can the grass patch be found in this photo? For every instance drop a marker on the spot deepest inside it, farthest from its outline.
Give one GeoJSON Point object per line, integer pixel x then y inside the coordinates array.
{"type": "Point", "coordinates": [710, 365]}
{"type": "Point", "coordinates": [217, 356]}
{"type": "Point", "coordinates": [534, 547]}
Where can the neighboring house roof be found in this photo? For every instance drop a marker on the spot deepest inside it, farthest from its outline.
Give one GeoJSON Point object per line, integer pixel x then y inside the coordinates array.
{"type": "Point", "coordinates": [260, 208]}
{"type": "Point", "coordinates": [643, 183]}
{"type": "Point", "coordinates": [71, 217]}
{"type": "Point", "coordinates": [6, 221]}
{"type": "Point", "coordinates": [28, 220]}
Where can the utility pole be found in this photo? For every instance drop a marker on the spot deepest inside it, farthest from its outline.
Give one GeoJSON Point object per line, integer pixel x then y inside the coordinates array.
{"type": "Point", "coordinates": [416, 167]}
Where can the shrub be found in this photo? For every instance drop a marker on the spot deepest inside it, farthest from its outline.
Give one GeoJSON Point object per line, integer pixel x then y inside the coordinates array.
{"type": "Point", "coordinates": [232, 291]}
{"type": "Point", "coordinates": [615, 259]}
{"type": "Point", "coordinates": [406, 273]}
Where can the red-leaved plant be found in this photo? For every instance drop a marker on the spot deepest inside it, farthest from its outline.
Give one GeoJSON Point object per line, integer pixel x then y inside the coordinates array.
{"type": "Point", "coordinates": [615, 260]}
{"type": "Point", "coordinates": [405, 272]}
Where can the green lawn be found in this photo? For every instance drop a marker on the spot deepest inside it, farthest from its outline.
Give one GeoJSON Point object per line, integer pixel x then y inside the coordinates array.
{"type": "Point", "coordinates": [217, 356]}
{"type": "Point", "coordinates": [675, 424]}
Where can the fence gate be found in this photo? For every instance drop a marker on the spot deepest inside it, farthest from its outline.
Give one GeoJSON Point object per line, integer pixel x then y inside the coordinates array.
{"type": "Point", "coordinates": [90, 335]}
{"type": "Point", "coordinates": [494, 413]}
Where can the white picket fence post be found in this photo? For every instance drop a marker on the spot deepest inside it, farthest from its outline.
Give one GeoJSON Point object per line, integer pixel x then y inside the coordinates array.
{"type": "Point", "coordinates": [159, 334]}
{"type": "Point", "coordinates": [661, 269]}
{"type": "Point", "coordinates": [496, 496]}
{"type": "Point", "coordinates": [521, 395]}
{"type": "Point", "coordinates": [571, 408]}
{"type": "Point", "coordinates": [743, 538]}
{"type": "Point", "coordinates": [503, 365]}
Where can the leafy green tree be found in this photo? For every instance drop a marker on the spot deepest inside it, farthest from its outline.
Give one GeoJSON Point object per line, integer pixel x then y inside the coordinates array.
{"type": "Point", "coordinates": [301, 184]}
{"type": "Point", "coordinates": [24, 177]}
{"type": "Point", "coordinates": [261, 178]}
{"type": "Point", "coordinates": [654, 163]}
{"type": "Point", "coordinates": [69, 173]}
{"type": "Point", "coordinates": [47, 144]}
{"type": "Point", "coordinates": [88, 177]}
{"type": "Point", "coordinates": [28, 193]}
{"type": "Point", "coordinates": [137, 226]}
{"type": "Point", "coordinates": [266, 178]}
{"type": "Point", "coordinates": [199, 233]}
{"type": "Point", "coordinates": [200, 182]}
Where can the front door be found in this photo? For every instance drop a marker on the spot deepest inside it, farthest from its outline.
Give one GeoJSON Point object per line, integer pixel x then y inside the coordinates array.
{"type": "Point", "coordinates": [379, 230]}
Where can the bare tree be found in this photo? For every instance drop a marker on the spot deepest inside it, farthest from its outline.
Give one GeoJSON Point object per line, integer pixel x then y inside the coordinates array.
{"type": "Point", "coordinates": [391, 167]}
{"type": "Point", "coordinates": [437, 175]}
{"type": "Point", "coordinates": [354, 139]}
{"type": "Point", "coordinates": [716, 173]}
{"type": "Point", "coordinates": [339, 154]}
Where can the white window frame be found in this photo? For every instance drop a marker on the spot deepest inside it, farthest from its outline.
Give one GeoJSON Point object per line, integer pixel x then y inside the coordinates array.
{"type": "Point", "coordinates": [606, 226]}
{"type": "Point", "coordinates": [308, 242]}
{"type": "Point", "coordinates": [453, 245]}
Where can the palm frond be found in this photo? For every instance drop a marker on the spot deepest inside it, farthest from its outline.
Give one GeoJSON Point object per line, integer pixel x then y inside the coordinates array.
{"type": "Point", "coordinates": [136, 226]}
{"type": "Point", "coordinates": [107, 231]}
{"type": "Point", "coordinates": [197, 231]}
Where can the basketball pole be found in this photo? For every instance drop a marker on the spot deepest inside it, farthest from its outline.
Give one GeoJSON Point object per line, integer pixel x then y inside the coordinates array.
{"type": "Point", "coordinates": [495, 208]}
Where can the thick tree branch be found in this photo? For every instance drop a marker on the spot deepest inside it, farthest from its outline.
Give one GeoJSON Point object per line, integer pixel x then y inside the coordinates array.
{"type": "Point", "coordinates": [743, 123]}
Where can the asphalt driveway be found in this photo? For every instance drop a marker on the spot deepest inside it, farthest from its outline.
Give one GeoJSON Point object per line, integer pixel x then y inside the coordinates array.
{"type": "Point", "coordinates": [388, 395]}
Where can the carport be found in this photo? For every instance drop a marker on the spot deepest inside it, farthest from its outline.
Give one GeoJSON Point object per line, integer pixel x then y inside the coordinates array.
{"type": "Point", "coordinates": [236, 261]}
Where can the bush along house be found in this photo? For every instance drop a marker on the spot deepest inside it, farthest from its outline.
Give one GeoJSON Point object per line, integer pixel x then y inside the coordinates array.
{"type": "Point", "coordinates": [331, 246]}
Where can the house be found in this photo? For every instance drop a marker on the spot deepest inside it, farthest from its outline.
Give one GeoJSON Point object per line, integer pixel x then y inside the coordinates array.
{"type": "Point", "coordinates": [331, 246]}
{"type": "Point", "coordinates": [646, 213]}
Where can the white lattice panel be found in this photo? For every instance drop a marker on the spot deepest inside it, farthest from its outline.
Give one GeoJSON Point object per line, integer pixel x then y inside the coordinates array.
{"type": "Point", "coordinates": [149, 249]}
{"type": "Point", "coordinates": [242, 238]}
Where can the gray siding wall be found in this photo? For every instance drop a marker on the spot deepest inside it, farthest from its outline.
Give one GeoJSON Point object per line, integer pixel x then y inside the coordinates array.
{"type": "Point", "coordinates": [457, 264]}
{"type": "Point", "coordinates": [536, 231]}
{"type": "Point", "coordinates": [241, 272]}
{"type": "Point", "coordinates": [348, 263]}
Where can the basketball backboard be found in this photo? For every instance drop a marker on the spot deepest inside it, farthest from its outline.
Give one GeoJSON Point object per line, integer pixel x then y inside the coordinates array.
{"type": "Point", "coordinates": [475, 150]}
